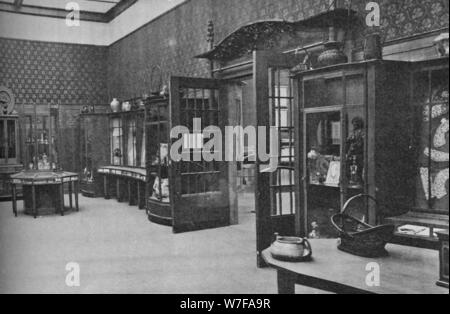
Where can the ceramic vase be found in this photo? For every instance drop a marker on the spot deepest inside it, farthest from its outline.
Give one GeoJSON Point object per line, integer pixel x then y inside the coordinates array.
{"type": "Point", "coordinates": [115, 105]}
{"type": "Point", "coordinates": [126, 106]}
{"type": "Point", "coordinates": [332, 55]}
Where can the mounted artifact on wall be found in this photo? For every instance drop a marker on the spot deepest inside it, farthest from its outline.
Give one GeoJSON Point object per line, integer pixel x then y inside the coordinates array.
{"type": "Point", "coordinates": [7, 101]}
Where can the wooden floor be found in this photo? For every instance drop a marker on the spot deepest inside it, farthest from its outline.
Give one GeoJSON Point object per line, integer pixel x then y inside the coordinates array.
{"type": "Point", "coordinates": [120, 251]}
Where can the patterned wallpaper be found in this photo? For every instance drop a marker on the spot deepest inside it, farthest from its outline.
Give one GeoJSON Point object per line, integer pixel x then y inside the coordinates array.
{"type": "Point", "coordinates": [403, 18]}
{"type": "Point", "coordinates": [169, 43]}
{"type": "Point", "coordinates": [39, 72]}
{"type": "Point", "coordinates": [69, 75]}
{"type": "Point", "coordinates": [76, 74]}
{"type": "Point", "coordinates": [176, 37]}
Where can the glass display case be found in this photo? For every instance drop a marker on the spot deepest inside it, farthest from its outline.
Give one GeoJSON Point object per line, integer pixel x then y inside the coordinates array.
{"type": "Point", "coordinates": [192, 192]}
{"type": "Point", "coordinates": [431, 101]}
{"type": "Point", "coordinates": [157, 124]}
{"type": "Point", "coordinates": [127, 139]}
{"type": "Point", "coordinates": [41, 132]}
{"type": "Point", "coordinates": [124, 177]}
{"type": "Point", "coordinates": [353, 138]}
{"type": "Point", "coordinates": [430, 149]}
{"type": "Point", "coordinates": [94, 151]}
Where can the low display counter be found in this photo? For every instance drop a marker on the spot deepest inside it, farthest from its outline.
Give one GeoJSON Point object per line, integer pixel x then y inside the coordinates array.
{"type": "Point", "coordinates": [125, 184]}
{"type": "Point", "coordinates": [43, 191]}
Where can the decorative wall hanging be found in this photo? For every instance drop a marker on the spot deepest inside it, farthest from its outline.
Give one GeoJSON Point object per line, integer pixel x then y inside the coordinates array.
{"type": "Point", "coordinates": [7, 101]}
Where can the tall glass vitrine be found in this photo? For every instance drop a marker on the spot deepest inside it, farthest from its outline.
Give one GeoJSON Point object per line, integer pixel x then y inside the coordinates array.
{"type": "Point", "coordinates": [41, 133]}
{"type": "Point", "coordinates": [353, 138]}
{"type": "Point", "coordinates": [9, 151]}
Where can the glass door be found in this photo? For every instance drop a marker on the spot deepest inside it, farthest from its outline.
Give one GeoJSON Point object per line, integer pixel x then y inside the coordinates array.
{"type": "Point", "coordinates": [275, 196]}
{"type": "Point", "coordinates": [199, 181]}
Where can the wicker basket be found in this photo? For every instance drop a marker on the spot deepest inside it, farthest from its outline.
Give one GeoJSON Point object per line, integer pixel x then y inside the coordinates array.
{"type": "Point", "coordinates": [359, 238]}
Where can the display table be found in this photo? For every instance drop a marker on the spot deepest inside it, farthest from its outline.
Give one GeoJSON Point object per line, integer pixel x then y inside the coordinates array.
{"type": "Point", "coordinates": [125, 183]}
{"type": "Point", "coordinates": [406, 271]}
{"type": "Point", "coordinates": [43, 191]}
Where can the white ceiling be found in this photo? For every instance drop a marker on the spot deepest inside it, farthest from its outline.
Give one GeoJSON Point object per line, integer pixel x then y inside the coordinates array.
{"type": "Point", "coordinates": [98, 6]}
{"type": "Point", "coordinates": [29, 27]}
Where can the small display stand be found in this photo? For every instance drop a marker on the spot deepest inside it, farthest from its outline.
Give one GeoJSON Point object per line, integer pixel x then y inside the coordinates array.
{"type": "Point", "coordinates": [44, 191]}
{"type": "Point", "coordinates": [42, 182]}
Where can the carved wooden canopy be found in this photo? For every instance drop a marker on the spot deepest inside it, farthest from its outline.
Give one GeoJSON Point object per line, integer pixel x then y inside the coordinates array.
{"type": "Point", "coordinates": [249, 37]}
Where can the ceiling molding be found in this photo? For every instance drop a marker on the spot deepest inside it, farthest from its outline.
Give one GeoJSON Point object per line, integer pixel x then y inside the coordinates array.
{"type": "Point", "coordinates": [19, 8]}
{"type": "Point", "coordinates": [119, 9]}
{"type": "Point", "coordinates": [18, 3]}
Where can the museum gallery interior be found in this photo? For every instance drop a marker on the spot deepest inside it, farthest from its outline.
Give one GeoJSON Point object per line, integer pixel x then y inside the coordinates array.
{"type": "Point", "coordinates": [338, 117]}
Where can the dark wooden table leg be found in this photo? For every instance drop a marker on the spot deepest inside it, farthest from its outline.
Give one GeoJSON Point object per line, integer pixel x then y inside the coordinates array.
{"type": "Point", "coordinates": [130, 198]}
{"type": "Point", "coordinates": [106, 187]}
{"type": "Point", "coordinates": [33, 200]}
{"type": "Point", "coordinates": [139, 197]}
{"type": "Point", "coordinates": [77, 191]}
{"type": "Point", "coordinates": [61, 198]}
{"type": "Point", "coordinates": [119, 198]}
{"type": "Point", "coordinates": [14, 199]}
{"type": "Point", "coordinates": [286, 282]}
{"type": "Point", "coordinates": [70, 195]}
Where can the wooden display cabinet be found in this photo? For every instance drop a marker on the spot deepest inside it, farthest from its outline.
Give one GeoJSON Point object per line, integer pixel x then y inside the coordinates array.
{"type": "Point", "coordinates": [124, 177]}
{"type": "Point", "coordinates": [9, 152]}
{"type": "Point", "coordinates": [352, 137]}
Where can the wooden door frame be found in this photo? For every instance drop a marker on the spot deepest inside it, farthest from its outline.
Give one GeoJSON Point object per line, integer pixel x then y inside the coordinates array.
{"type": "Point", "coordinates": [262, 62]}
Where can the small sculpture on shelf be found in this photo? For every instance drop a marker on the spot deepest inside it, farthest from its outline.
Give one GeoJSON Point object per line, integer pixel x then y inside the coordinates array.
{"type": "Point", "coordinates": [355, 152]}
{"type": "Point", "coordinates": [126, 106]}
{"type": "Point", "coordinates": [315, 161]}
{"type": "Point", "coordinates": [117, 155]}
{"type": "Point", "coordinates": [43, 163]}
{"type": "Point", "coordinates": [161, 189]}
{"type": "Point", "coordinates": [88, 175]}
{"type": "Point", "coordinates": [164, 91]}
{"type": "Point", "coordinates": [315, 233]}
{"type": "Point", "coordinates": [85, 110]}
{"type": "Point", "coordinates": [354, 169]}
